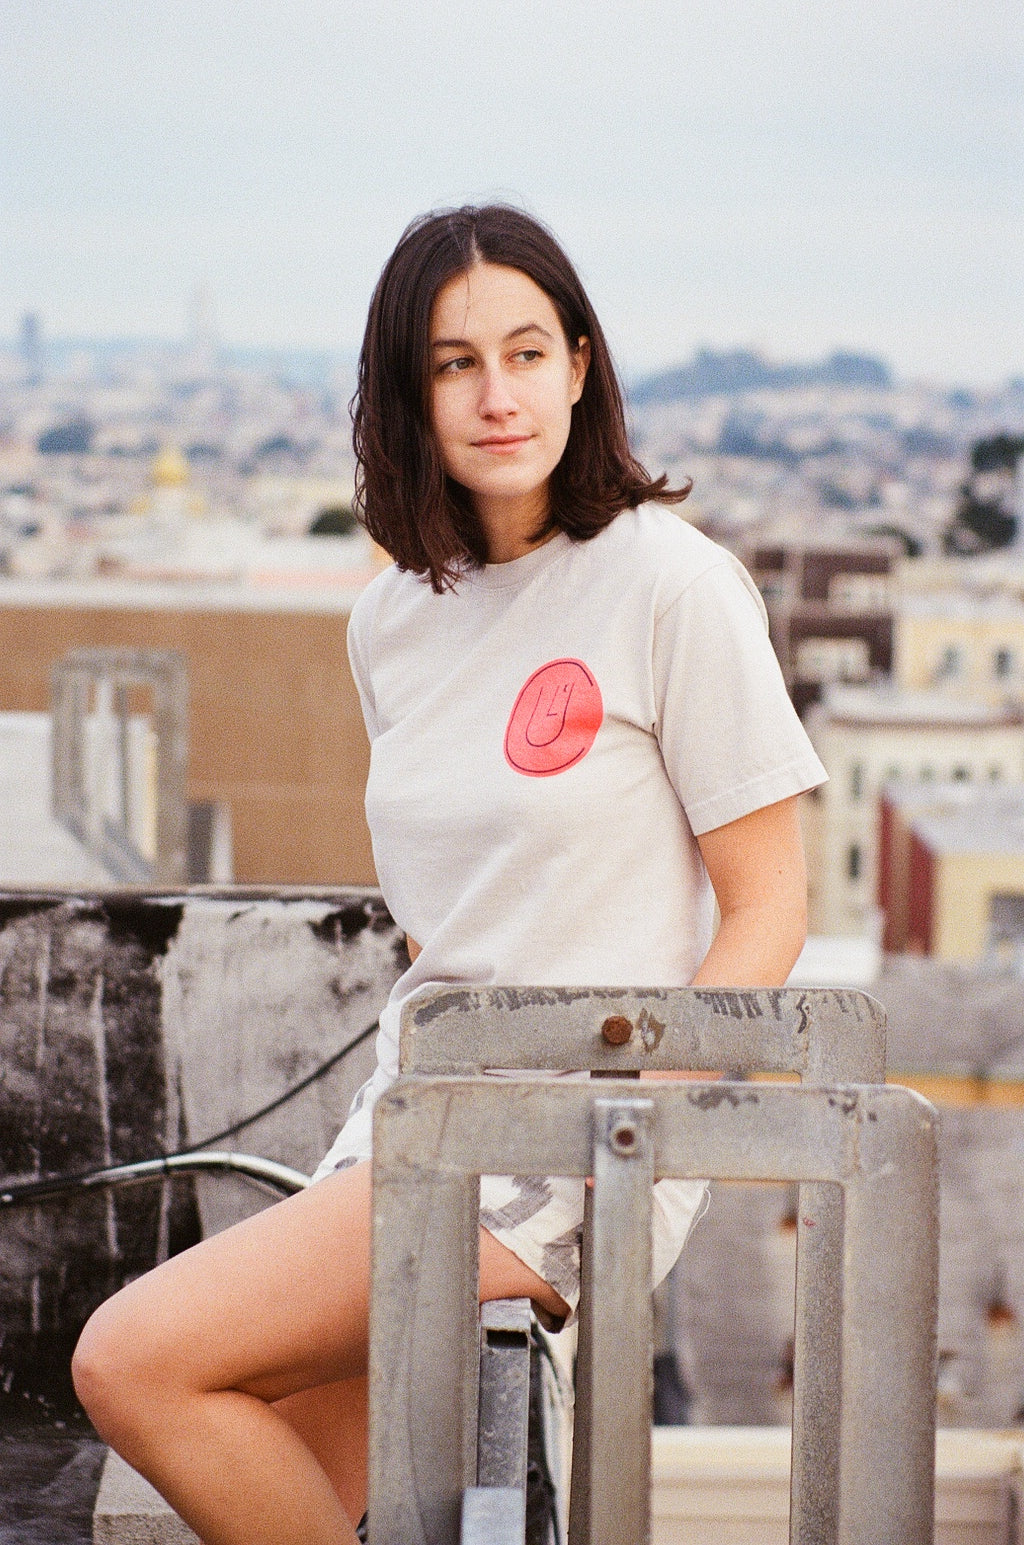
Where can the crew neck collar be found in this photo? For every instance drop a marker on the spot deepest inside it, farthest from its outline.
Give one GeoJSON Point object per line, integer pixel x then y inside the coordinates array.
{"type": "Point", "coordinates": [518, 571]}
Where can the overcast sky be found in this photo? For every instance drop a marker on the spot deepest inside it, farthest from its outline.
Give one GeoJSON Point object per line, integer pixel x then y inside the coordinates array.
{"type": "Point", "coordinates": [795, 175]}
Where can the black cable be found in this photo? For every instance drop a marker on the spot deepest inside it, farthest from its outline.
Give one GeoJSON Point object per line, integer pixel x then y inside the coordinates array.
{"type": "Point", "coordinates": [83, 1176]}
{"type": "Point", "coordinates": [282, 1099]}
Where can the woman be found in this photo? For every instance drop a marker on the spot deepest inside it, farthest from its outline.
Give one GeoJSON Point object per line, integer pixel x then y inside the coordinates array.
{"type": "Point", "coordinates": [580, 740]}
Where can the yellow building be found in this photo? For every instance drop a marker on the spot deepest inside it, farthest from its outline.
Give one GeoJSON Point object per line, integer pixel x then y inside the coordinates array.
{"type": "Point", "coordinates": [953, 874]}
{"type": "Point", "coordinates": [171, 497]}
{"type": "Point", "coordinates": [869, 736]}
{"type": "Point", "coordinates": [170, 469]}
{"type": "Point", "coordinates": [961, 643]}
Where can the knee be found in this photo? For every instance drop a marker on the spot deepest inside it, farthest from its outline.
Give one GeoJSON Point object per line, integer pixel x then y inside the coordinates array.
{"type": "Point", "coordinates": [106, 1368]}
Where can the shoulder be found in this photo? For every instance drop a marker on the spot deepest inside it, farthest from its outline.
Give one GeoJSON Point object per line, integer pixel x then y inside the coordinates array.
{"type": "Point", "coordinates": [369, 612]}
{"type": "Point", "coordinates": [675, 560]}
{"type": "Point", "coordinates": [385, 591]}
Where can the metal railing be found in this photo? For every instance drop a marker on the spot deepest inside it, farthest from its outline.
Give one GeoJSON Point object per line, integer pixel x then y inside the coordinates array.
{"type": "Point", "coordinates": [119, 774]}
{"type": "Point", "coordinates": [280, 1179]}
{"type": "Point", "coordinates": [864, 1378]}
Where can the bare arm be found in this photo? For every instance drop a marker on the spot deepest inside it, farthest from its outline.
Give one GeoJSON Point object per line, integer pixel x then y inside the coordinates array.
{"type": "Point", "coordinates": [756, 866]}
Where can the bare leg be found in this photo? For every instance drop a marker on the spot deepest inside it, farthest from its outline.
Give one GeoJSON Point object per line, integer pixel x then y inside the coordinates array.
{"type": "Point", "coordinates": [331, 1419]}
{"type": "Point", "coordinates": [233, 1376]}
{"type": "Point", "coordinates": [178, 1371]}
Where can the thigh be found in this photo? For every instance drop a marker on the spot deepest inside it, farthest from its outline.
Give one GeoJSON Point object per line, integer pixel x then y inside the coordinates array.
{"type": "Point", "coordinates": [504, 1275]}
{"type": "Point", "coordinates": [331, 1417]}
{"type": "Point", "coordinates": [275, 1304]}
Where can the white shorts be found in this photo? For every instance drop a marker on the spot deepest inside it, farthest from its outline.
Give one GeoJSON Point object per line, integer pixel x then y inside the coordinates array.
{"type": "Point", "coordinates": [538, 1218]}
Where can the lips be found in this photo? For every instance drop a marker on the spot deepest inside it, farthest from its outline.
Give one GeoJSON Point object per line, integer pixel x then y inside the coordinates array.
{"type": "Point", "coordinates": [501, 444]}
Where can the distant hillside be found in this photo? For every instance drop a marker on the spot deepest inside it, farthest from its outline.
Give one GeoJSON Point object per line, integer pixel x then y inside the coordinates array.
{"type": "Point", "coordinates": [711, 374]}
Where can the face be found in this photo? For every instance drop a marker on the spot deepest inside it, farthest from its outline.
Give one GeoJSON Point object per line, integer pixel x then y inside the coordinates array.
{"type": "Point", "coordinates": [504, 383]}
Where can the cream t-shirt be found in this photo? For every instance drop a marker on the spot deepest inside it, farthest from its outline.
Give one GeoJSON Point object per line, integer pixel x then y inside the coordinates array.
{"type": "Point", "coordinates": [547, 740]}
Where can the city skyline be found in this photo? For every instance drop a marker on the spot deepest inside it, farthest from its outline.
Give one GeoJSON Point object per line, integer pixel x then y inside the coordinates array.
{"type": "Point", "coordinates": [850, 182]}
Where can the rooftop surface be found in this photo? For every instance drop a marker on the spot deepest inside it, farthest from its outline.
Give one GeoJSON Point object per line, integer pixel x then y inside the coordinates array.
{"type": "Point", "coordinates": [49, 1475]}
{"type": "Point", "coordinates": [35, 850]}
{"type": "Point", "coordinates": [270, 592]}
{"type": "Point", "coordinates": [962, 817]}
{"type": "Point", "coordinates": [990, 827]}
{"type": "Point", "coordinates": [896, 707]}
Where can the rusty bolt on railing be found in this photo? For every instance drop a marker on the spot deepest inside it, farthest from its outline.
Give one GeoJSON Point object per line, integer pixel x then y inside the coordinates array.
{"type": "Point", "coordinates": [617, 1029]}
{"type": "Point", "coordinates": [622, 1136]}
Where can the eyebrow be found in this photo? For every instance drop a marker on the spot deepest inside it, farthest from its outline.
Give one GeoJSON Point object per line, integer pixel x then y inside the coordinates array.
{"type": "Point", "coordinates": [517, 332]}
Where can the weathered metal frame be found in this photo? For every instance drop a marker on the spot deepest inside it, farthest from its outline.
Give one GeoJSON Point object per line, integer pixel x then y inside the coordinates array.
{"type": "Point", "coordinates": [824, 1036]}
{"type": "Point", "coordinates": [504, 1392]}
{"type": "Point", "coordinates": [494, 1509]}
{"type": "Point", "coordinates": [433, 1139]}
{"type": "Point", "coordinates": [73, 680]}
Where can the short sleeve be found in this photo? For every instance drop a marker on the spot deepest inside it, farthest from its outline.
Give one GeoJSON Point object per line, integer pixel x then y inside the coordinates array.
{"type": "Point", "coordinates": [730, 737]}
{"type": "Point", "coordinates": [360, 627]}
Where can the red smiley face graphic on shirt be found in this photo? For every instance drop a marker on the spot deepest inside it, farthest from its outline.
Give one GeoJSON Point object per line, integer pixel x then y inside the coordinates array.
{"type": "Point", "coordinates": [555, 719]}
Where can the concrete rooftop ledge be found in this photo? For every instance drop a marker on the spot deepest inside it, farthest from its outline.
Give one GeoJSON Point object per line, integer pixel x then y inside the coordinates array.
{"type": "Point", "coordinates": [712, 1486]}
{"type": "Point", "coordinates": [129, 1512]}
{"type": "Point", "coordinates": [280, 593]}
{"type": "Point", "coordinates": [730, 1486]}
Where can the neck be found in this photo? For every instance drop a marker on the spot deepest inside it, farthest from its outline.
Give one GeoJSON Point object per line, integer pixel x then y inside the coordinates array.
{"type": "Point", "coordinates": [510, 525]}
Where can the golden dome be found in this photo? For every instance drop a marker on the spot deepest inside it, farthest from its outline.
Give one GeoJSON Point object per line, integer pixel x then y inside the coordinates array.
{"type": "Point", "coordinates": [170, 469]}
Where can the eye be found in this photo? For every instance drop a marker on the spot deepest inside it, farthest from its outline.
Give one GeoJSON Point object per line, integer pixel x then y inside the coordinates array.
{"type": "Point", "coordinates": [529, 355]}
{"type": "Point", "coordinates": [451, 367]}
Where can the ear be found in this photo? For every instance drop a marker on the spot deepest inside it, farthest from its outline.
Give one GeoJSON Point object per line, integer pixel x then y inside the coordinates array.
{"type": "Point", "coordinates": [580, 366]}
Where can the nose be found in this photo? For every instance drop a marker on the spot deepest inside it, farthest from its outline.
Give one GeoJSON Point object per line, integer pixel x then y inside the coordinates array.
{"type": "Point", "coordinates": [496, 398]}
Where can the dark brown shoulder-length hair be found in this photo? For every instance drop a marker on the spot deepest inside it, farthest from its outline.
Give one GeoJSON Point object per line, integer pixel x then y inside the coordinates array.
{"type": "Point", "coordinates": [409, 505]}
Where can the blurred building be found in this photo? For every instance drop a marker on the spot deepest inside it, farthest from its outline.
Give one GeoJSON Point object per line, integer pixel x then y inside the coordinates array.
{"type": "Point", "coordinates": [829, 602]}
{"type": "Point", "coordinates": [276, 733]}
{"type": "Point", "coordinates": [868, 736]}
{"type": "Point", "coordinates": [961, 642]}
{"type": "Point", "coordinates": [951, 870]}
{"type": "Point", "coordinates": [30, 344]}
